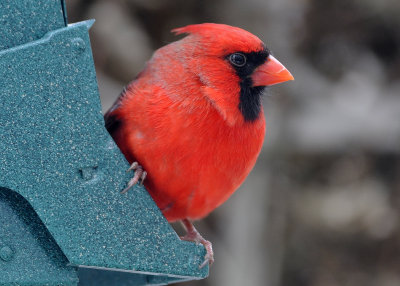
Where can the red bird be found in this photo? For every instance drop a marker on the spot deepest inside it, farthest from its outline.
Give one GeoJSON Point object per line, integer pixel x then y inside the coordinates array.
{"type": "Point", "coordinates": [193, 120]}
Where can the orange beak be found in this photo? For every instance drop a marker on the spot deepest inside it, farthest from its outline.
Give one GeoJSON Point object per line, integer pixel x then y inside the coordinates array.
{"type": "Point", "coordinates": [271, 72]}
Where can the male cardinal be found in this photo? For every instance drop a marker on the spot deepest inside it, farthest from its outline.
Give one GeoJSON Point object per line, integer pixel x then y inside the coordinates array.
{"type": "Point", "coordinates": [193, 120]}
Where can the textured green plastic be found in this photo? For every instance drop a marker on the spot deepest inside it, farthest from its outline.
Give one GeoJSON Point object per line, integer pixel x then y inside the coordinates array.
{"type": "Point", "coordinates": [23, 21]}
{"type": "Point", "coordinates": [28, 253]}
{"type": "Point", "coordinates": [62, 214]}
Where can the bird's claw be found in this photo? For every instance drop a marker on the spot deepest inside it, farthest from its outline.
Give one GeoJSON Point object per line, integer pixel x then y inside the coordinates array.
{"type": "Point", "coordinates": [194, 236]}
{"type": "Point", "coordinates": [209, 258]}
{"type": "Point", "coordinates": [139, 175]}
{"type": "Point", "coordinates": [142, 177]}
{"type": "Point", "coordinates": [134, 166]}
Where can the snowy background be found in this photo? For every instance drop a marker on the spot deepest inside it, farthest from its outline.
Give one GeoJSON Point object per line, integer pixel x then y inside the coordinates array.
{"type": "Point", "coordinates": [322, 205]}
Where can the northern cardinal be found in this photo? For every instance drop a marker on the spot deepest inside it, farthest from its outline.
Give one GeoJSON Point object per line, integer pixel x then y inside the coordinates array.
{"type": "Point", "coordinates": [193, 120]}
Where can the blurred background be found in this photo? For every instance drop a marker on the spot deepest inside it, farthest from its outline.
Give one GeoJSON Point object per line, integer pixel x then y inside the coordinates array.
{"type": "Point", "coordinates": [322, 205]}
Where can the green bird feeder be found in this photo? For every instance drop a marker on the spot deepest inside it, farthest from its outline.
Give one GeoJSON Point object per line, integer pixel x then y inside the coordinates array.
{"type": "Point", "coordinates": [63, 220]}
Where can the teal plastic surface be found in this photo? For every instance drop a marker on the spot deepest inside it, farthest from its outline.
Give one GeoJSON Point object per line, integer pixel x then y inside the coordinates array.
{"type": "Point", "coordinates": [62, 217]}
{"type": "Point", "coordinates": [28, 253]}
{"type": "Point", "coordinates": [25, 21]}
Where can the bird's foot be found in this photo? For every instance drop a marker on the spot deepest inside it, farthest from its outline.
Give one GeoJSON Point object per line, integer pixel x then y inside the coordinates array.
{"type": "Point", "coordinates": [193, 235]}
{"type": "Point", "coordinates": [140, 174]}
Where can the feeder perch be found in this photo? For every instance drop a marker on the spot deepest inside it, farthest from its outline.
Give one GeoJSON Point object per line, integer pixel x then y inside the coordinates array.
{"type": "Point", "coordinates": [63, 220]}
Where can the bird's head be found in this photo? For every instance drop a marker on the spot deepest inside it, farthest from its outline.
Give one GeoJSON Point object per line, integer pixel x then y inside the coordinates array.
{"type": "Point", "coordinates": [232, 67]}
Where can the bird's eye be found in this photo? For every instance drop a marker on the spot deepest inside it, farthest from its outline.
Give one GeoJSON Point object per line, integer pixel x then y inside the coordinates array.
{"type": "Point", "coordinates": [237, 59]}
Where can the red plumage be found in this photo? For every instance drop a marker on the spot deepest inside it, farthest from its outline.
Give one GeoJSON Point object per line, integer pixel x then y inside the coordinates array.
{"type": "Point", "coordinates": [186, 118]}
